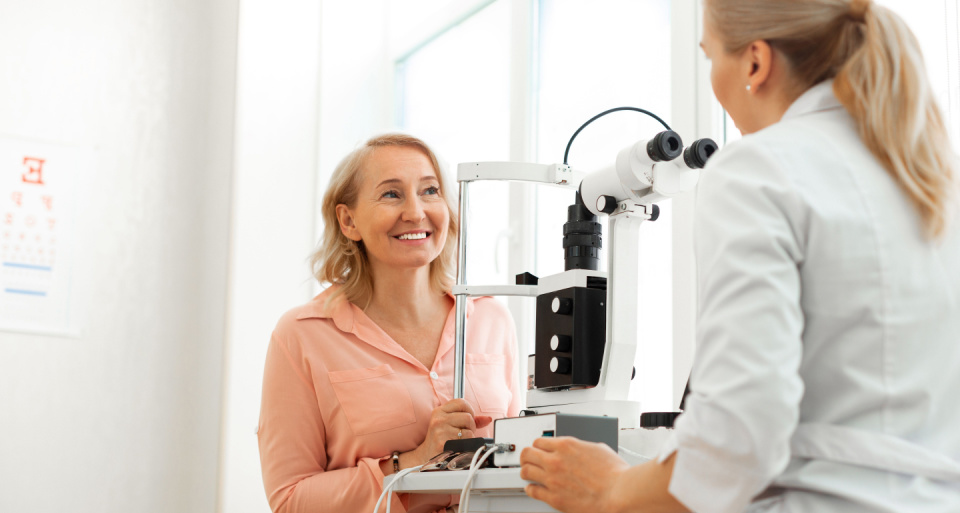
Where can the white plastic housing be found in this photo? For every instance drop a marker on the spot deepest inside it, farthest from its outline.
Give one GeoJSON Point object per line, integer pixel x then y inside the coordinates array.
{"type": "Point", "coordinates": [638, 178]}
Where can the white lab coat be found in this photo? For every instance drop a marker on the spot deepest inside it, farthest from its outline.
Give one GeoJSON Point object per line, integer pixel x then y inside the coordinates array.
{"type": "Point", "coordinates": [827, 373]}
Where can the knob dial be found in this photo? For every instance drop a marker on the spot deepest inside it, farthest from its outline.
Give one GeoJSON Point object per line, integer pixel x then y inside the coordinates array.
{"type": "Point", "coordinates": [560, 365]}
{"type": "Point", "coordinates": [560, 343]}
{"type": "Point", "coordinates": [561, 305]}
{"type": "Point", "coordinates": [607, 204]}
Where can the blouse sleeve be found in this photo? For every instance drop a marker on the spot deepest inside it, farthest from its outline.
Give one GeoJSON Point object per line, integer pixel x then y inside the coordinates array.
{"type": "Point", "coordinates": [292, 447]}
{"type": "Point", "coordinates": [734, 435]}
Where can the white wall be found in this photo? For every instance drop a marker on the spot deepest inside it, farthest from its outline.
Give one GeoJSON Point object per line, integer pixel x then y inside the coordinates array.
{"type": "Point", "coordinates": [273, 216]}
{"type": "Point", "coordinates": [126, 417]}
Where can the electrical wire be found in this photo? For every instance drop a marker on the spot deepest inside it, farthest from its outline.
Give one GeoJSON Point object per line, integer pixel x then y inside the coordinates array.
{"type": "Point", "coordinates": [386, 489]}
{"type": "Point", "coordinates": [474, 466]}
{"type": "Point", "coordinates": [566, 152]}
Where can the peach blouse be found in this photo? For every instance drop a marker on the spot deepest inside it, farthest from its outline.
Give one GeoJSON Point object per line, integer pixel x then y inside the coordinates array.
{"type": "Point", "coordinates": [339, 395]}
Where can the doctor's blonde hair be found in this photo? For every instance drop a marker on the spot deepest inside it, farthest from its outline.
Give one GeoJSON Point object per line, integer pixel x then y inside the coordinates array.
{"type": "Point", "coordinates": [339, 260]}
{"type": "Point", "coordinates": [879, 77]}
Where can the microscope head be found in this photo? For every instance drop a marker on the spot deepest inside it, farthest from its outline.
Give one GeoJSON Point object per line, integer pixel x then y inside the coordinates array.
{"type": "Point", "coordinates": [647, 172]}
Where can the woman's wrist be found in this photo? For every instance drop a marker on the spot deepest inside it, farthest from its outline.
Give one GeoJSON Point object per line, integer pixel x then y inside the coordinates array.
{"type": "Point", "coordinates": [410, 459]}
{"type": "Point", "coordinates": [404, 460]}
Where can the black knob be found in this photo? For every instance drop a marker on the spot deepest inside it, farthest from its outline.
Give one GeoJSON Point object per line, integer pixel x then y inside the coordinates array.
{"type": "Point", "coordinates": [561, 305]}
{"type": "Point", "coordinates": [527, 279]}
{"type": "Point", "coordinates": [654, 212]}
{"type": "Point", "coordinates": [561, 343]}
{"type": "Point", "coordinates": [560, 365]}
{"type": "Point", "coordinates": [607, 204]}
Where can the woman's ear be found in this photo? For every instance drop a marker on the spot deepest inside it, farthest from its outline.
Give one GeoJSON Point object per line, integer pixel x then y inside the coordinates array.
{"type": "Point", "coordinates": [759, 61]}
{"type": "Point", "coordinates": [347, 224]}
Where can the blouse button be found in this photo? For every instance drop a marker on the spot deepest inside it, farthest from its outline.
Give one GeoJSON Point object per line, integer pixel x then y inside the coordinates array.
{"type": "Point", "coordinates": [434, 375]}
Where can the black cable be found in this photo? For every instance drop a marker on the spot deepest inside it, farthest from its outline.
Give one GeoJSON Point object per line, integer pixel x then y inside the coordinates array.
{"type": "Point", "coordinates": [566, 152]}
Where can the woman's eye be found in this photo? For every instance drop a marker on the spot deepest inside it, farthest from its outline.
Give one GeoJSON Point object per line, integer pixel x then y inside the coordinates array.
{"type": "Point", "coordinates": [390, 194]}
{"type": "Point", "coordinates": [432, 190]}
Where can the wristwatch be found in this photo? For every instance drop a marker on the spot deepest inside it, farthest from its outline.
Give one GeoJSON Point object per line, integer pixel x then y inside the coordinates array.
{"type": "Point", "coordinates": [396, 461]}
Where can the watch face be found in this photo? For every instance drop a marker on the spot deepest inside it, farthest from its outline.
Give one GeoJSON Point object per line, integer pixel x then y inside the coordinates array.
{"type": "Point", "coordinates": [438, 462]}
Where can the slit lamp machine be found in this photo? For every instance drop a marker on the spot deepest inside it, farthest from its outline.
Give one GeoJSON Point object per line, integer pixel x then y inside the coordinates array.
{"type": "Point", "coordinates": [586, 320]}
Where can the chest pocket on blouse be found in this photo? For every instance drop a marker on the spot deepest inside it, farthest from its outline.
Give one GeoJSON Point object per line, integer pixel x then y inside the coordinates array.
{"type": "Point", "coordinates": [487, 376]}
{"type": "Point", "coordinates": [373, 399]}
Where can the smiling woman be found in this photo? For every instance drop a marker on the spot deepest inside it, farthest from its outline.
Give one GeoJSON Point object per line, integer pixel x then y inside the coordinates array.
{"type": "Point", "coordinates": [358, 382]}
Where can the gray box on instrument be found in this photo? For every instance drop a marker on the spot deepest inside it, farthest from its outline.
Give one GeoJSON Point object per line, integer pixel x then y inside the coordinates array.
{"type": "Point", "coordinates": [522, 431]}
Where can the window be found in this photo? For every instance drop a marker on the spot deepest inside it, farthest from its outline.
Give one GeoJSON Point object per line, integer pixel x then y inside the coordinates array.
{"type": "Point", "coordinates": [626, 63]}
{"type": "Point", "coordinates": [455, 91]}
{"type": "Point", "coordinates": [455, 94]}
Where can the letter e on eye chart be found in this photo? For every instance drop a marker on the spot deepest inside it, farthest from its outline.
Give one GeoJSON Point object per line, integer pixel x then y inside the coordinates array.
{"type": "Point", "coordinates": [37, 198]}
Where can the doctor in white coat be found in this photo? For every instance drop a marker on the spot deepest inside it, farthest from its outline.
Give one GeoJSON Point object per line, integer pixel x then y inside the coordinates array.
{"type": "Point", "coordinates": [827, 373]}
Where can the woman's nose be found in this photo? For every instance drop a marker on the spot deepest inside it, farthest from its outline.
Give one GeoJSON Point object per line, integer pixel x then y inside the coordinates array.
{"type": "Point", "coordinates": [413, 210]}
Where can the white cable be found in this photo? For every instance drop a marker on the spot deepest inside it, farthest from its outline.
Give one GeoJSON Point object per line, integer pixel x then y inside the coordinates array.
{"type": "Point", "coordinates": [476, 456]}
{"type": "Point", "coordinates": [473, 462]}
{"type": "Point", "coordinates": [474, 467]}
{"type": "Point", "coordinates": [386, 489]}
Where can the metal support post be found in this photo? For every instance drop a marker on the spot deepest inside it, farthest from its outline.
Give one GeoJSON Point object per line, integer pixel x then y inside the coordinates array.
{"type": "Point", "coordinates": [459, 341]}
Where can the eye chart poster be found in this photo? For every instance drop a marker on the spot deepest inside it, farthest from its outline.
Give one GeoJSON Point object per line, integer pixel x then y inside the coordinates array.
{"type": "Point", "coordinates": [37, 209]}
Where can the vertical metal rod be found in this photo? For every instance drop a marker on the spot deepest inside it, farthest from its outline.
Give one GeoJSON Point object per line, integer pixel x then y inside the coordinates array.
{"type": "Point", "coordinates": [459, 341]}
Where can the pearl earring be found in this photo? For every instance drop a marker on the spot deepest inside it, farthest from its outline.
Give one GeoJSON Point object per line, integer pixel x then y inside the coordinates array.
{"type": "Point", "coordinates": [748, 87]}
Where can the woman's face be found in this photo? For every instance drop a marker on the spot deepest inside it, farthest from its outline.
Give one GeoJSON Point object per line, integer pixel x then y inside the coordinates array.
{"type": "Point", "coordinates": [400, 214]}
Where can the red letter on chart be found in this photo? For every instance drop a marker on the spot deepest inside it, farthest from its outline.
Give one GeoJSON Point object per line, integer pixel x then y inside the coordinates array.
{"type": "Point", "coordinates": [34, 172]}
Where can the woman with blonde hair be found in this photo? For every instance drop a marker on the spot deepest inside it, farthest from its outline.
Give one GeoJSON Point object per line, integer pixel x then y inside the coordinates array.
{"type": "Point", "coordinates": [828, 255]}
{"type": "Point", "coordinates": [358, 382]}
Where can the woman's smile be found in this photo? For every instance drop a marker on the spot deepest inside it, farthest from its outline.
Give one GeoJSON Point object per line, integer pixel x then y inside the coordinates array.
{"type": "Point", "coordinates": [413, 237]}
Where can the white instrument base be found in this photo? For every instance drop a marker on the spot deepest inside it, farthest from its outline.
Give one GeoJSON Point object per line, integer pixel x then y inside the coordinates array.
{"type": "Point", "coordinates": [500, 490]}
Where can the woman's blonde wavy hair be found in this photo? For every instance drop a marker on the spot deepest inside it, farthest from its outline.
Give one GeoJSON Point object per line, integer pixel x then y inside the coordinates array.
{"type": "Point", "coordinates": [879, 77]}
{"type": "Point", "coordinates": [341, 261]}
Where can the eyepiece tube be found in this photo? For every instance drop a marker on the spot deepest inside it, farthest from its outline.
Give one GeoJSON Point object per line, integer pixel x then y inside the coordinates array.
{"type": "Point", "coordinates": [632, 175]}
{"type": "Point", "coordinates": [697, 154]}
{"type": "Point", "coordinates": [664, 146]}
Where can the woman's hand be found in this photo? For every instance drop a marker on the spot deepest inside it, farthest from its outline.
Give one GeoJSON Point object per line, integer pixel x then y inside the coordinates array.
{"type": "Point", "coordinates": [572, 475]}
{"type": "Point", "coordinates": [446, 422]}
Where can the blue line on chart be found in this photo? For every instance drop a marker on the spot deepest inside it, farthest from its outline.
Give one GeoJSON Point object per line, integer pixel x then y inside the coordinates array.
{"type": "Point", "coordinates": [25, 292]}
{"type": "Point", "coordinates": [28, 266]}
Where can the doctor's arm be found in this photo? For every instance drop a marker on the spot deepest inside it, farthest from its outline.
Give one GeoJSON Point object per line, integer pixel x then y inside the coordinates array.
{"type": "Point", "coordinates": [574, 476]}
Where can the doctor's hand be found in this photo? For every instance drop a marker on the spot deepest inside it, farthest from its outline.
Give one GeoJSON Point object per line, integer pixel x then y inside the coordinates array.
{"type": "Point", "coordinates": [454, 418]}
{"type": "Point", "coordinates": [572, 475]}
